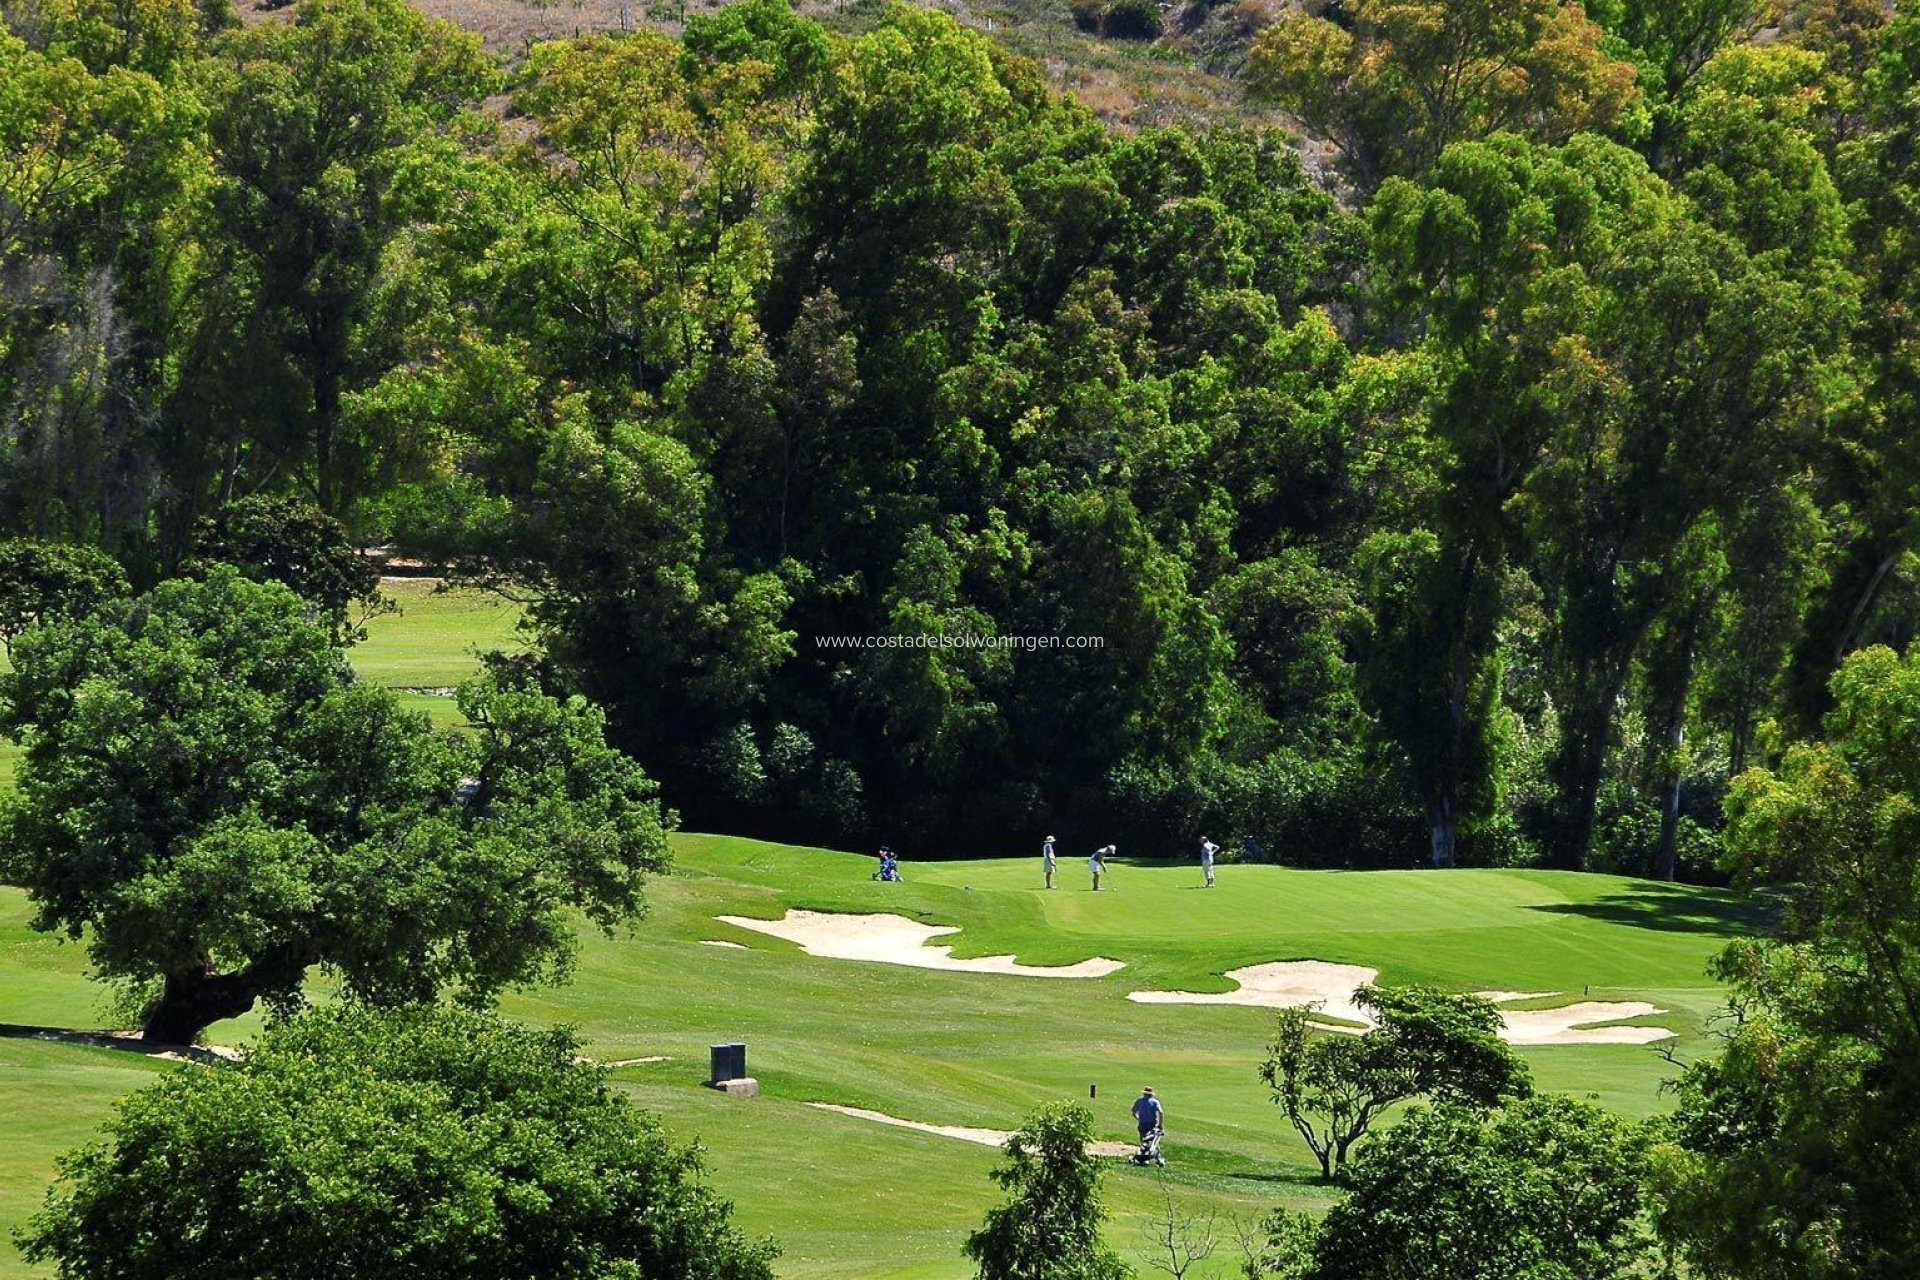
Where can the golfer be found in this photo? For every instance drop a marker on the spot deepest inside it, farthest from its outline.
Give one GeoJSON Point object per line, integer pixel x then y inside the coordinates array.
{"type": "Point", "coordinates": [1046, 860]}
{"type": "Point", "coordinates": [1207, 849]}
{"type": "Point", "coordinates": [1098, 862]}
{"type": "Point", "coordinates": [1147, 1112]}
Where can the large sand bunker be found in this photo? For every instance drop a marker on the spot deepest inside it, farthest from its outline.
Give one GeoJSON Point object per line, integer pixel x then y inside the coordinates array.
{"type": "Point", "coordinates": [980, 1137]}
{"type": "Point", "coordinates": [889, 939]}
{"type": "Point", "coordinates": [1289, 983]}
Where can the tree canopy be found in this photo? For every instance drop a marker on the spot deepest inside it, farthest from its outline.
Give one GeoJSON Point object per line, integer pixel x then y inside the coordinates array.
{"type": "Point", "coordinates": [894, 451]}
{"type": "Point", "coordinates": [216, 807]}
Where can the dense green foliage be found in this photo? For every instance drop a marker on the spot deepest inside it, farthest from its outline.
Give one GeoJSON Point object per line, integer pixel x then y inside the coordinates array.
{"type": "Point", "coordinates": [212, 802]}
{"type": "Point", "coordinates": [423, 1143]}
{"type": "Point", "coordinates": [1544, 1187]}
{"type": "Point", "coordinates": [1504, 531]}
{"type": "Point", "coordinates": [293, 543]}
{"type": "Point", "coordinates": [822, 392]}
{"type": "Point", "coordinates": [1798, 1153]}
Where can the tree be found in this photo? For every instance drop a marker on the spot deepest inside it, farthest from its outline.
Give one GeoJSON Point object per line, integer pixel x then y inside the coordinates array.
{"type": "Point", "coordinates": [1674, 39]}
{"type": "Point", "coordinates": [1799, 1148]}
{"type": "Point", "coordinates": [215, 806]}
{"type": "Point", "coordinates": [1049, 1227]}
{"type": "Point", "coordinates": [311, 122]}
{"type": "Point", "coordinates": [1394, 82]}
{"type": "Point", "coordinates": [44, 581]}
{"type": "Point", "coordinates": [1547, 1186]}
{"type": "Point", "coordinates": [1175, 1241]}
{"type": "Point", "coordinates": [1334, 1086]}
{"type": "Point", "coordinates": [296, 544]}
{"type": "Point", "coordinates": [421, 1142]}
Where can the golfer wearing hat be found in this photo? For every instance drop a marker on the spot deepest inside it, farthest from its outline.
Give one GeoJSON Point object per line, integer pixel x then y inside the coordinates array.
{"type": "Point", "coordinates": [1147, 1112]}
{"type": "Point", "coordinates": [1046, 860]}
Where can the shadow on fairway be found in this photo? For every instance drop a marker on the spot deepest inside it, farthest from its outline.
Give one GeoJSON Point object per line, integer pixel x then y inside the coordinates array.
{"type": "Point", "coordinates": [1289, 1176]}
{"type": "Point", "coordinates": [124, 1043]}
{"type": "Point", "coordinates": [1673, 909]}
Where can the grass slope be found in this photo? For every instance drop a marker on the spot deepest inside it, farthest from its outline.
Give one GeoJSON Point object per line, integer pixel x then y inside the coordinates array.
{"type": "Point", "coordinates": [849, 1198]}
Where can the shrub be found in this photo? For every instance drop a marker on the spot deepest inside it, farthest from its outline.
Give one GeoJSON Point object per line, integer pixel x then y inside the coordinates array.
{"type": "Point", "coordinates": [1132, 20]}
{"type": "Point", "coordinates": [422, 1143]}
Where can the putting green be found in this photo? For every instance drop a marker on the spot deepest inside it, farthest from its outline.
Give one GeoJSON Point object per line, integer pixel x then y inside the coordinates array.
{"type": "Point", "coordinates": [851, 1198]}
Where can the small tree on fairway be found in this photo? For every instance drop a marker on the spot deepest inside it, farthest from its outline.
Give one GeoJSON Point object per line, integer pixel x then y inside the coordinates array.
{"type": "Point", "coordinates": [415, 1144]}
{"type": "Point", "coordinates": [210, 800]}
{"type": "Point", "coordinates": [1175, 1241]}
{"type": "Point", "coordinates": [1049, 1228]}
{"type": "Point", "coordinates": [1426, 1043]}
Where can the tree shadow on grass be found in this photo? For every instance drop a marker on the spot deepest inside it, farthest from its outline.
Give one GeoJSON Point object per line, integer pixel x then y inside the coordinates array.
{"type": "Point", "coordinates": [1675, 909]}
{"type": "Point", "coordinates": [128, 1043]}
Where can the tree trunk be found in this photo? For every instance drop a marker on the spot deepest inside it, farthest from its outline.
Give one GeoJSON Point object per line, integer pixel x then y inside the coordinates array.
{"type": "Point", "coordinates": [1665, 858]}
{"type": "Point", "coordinates": [194, 1000]}
{"type": "Point", "coordinates": [1675, 734]}
{"type": "Point", "coordinates": [1441, 828]}
{"type": "Point", "coordinates": [326, 417]}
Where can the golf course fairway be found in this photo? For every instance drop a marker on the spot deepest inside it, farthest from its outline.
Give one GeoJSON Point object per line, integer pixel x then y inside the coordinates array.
{"type": "Point", "coordinates": [852, 1198]}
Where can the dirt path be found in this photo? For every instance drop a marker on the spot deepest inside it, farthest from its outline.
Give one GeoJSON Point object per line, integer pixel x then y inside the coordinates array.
{"type": "Point", "coordinates": [979, 1137]}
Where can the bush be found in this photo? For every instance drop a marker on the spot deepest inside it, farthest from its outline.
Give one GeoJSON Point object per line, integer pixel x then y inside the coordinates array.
{"type": "Point", "coordinates": [421, 1144]}
{"type": "Point", "coordinates": [1545, 1187]}
{"type": "Point", "coordinates": [1087, 14]}
{"type": "Point", "coordinates": [1132, 20]}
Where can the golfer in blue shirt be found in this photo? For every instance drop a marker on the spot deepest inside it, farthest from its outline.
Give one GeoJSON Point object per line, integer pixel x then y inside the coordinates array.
{"type": "Point", "coordinates": [1146, 1112]}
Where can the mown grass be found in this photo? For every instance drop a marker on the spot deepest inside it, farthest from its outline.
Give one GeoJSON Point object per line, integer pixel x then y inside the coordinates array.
{"type": "Point", "coordinates": [435, 638]}
{"type": "Point", "coordinates": [851, 1199]}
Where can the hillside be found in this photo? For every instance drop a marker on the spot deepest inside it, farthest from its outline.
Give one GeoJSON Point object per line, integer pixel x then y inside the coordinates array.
{"type": "Point", "coordinates": [1185, 75]}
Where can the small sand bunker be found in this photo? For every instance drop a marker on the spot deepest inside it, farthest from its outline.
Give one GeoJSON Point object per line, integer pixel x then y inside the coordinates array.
{"type": "Point", "coordinates": [890, 939]}
{"type": "Point", "coordinates": [1569, 1024]}
{"type": "Point", "coordinates": [716, 942]}
{"type": "Point", "coordinates": [1290, 983]}
{"type": "Point", "coordinates": [980, 1137]}
{"type": "Point", "coordinates": [1283, 985]}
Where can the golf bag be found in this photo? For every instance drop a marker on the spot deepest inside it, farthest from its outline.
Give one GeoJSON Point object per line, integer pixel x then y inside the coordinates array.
{"type": "Point", "coordinates": [1149, 1152]}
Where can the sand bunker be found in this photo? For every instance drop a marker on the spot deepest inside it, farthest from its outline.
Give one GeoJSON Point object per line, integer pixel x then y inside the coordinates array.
{"type": "Point", "coordinates": [715, 942]}
{"type": "Point", "coordinates": [1289, 983]}
{"type": "Point", "coordinates": [1569, 1024]}
{"type": "Point", "coordinates": [1283, 985]}
{"type": "Point", "coordinates": [981, 1137]}
{"type": "Point", "coordinates": [891, 939]}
